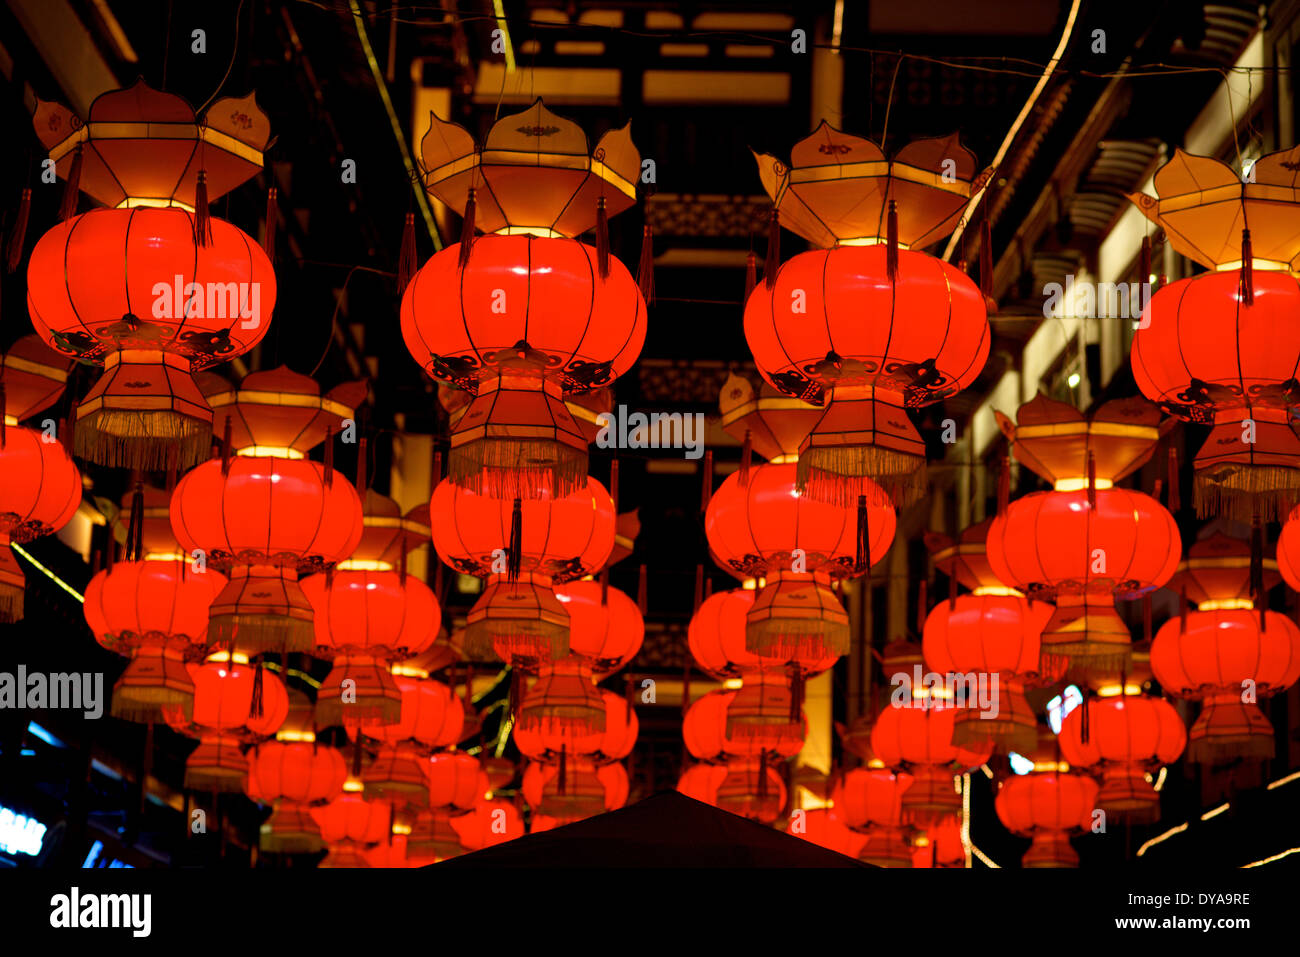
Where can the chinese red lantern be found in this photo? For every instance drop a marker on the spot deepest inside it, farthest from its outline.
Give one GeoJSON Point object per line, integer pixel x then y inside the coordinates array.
{"type": "Point", "coordinates": [456, 781]}
{"type": "Point", "coordinates": [1086, 542]}
{"type": "Point", "coordinates": [1046, 806]}
{"type": "Point", "coordinates": [820, 827]}
{"type": "Point", "coordinates": [704, 728]}
{"type": "Point", "coordinates": [588, 789]}
{"type": "Point", "coordinates": [521, 548]}
{"type": "Point", "coordinates": [151, 287]}
{"type": "Point", "coordinates": [527, 315]}
{"type": "Point", "coordinates": [490, 823]}
{"type": "Point", "coordinates": [869, 800]}
{"type": "Point", "coordinates": [267, 512]}
{"type": "Point", "coordinates": [42, 485]}
{"type": "Point", "coordinates": [1127, 736]}
{"type": "Point", "coordinates": [700, 781]}
{"type": "Point", "coordinates": [1220, 349]}
{"type": "Point", "coordinates": [349, 824]}
{"type": "Point", "coordinates": [605, 626]}
{"type": "Point", "coordinates": [751, 788]}
{"type": "Point", "coordinates": [759, 525]}
{"type": "Point", "coordinates": [232, 704]}
{"type": "Point", "coordinates": [925, 334]}
{"type": "Point", "coordinates": [917, 736]}
{"type": "Point", "coordinates": [1227, 654]}
{"type": "Point", "coordinates": [546, 738]}
{"type": "Point", "coordinates": [765, 715]}
{"type": "Point", "coordinates": [940, 844]}
{"type": "Point", "coordinates": [1288, 550]}
{"type": "Point", "coordinates": [716, 634]}
{"type": "Point", "coordinates": [991, 633]}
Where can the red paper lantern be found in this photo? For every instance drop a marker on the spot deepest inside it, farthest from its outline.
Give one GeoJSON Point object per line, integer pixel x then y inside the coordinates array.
{"type": "Point", "coordinates": [39, 495]}
{"type": "Point", "coordinates": [431, 715]}
{"type": "Point", "coordinates": [350, 817]}
{"type": "Point", "coordinates": [492, 822]}
{"type": "Point", "coordinates": [819, 827]}
{"type": "Point", "coordinates": [918, 736]}
{"type": "Point", "coordinates": [543, 741]}
{"type": "Point", "coordinates": [149, 289]}
{"type": "Point", "coordinates": [605, 626]}
{"type": "Point", "coordinates": [521, 620]}
{"type": "Point", "coordinates": [301, 772]}
{"type": "Point", "coordinates": [1127, 736]}
{"type": "Point", "coordinates": [716, 634]}
{"type": "Point", "coordinates": [587, 789]}
{"type": "Point", "coordinates": [765, 715]}
{"type": "Point", "coordinates": [456, 781]}
{"type": "Point", "coordinates": [704, 728]}
{"type": "Point", "coordinates": [1046, 806]}
{"type": "Point", "coordinates": [563, 708]}
{"type": "Point", "coordinates": [1288, 550]}
{"type": "Point", "coordinates": [752, 788]}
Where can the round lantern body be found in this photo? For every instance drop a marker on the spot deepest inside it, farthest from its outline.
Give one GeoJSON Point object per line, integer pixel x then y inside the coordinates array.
{"type": "Point", "coordinates": [754, 527]}
{"type": "Point", "coordinates": [576, 790]}
{"type": "Point", "coordinates": [605, 625]}
{"type": "Point", "coordinates": [1058, 544]}
{"type": "Point", "coordinates": [1207, 357]}
{"type": "Point", "coordinates": [431, 715]}
{"type": "Point", "coordinates": [526, 322]}
{"type": "Point", "coordinates": [700, 782]}
{"type": "Point", "coordinates": [1288, 550]}
{"type": "Point", "coordinates": [350, 817]}
{"type": "Point", "coordinates": [39, 495]}
{"type": "Point", "coordinates": [752, 789]}
{"type": "Point", "coordinates": [518, 618]}
{"type": "Point", "coordinates": [1127, 735]}
{"type": "Point", "coordinates": [716, 635]}
{"type": "Point", "coordinates": [819, 827]}
{"type": "Point", "coordinates": [918, 736]}
{"type": "Point", "coordinates": [1213, 657]}
{"type": "Point", "coordinates": [130, 288]}
{"type": "Point", "coordinates": [456, 781]}
{"type": "Point", "coordinates": [1045, 807]}
{"type": "Point", "coordinates": [870, 797]}
{"type": "Point", "coordinates": [925, 337]}
{"type": "Point", "coordinates": [561, 742]}
{"type": "Point", "coordinates": [299, 772]}
{"type": "Point", "coordinates": [489, 824]}
{"type": "Point", "coordinates": [265, 518]}
{"type": "Point", "coordinates": [996, 637]}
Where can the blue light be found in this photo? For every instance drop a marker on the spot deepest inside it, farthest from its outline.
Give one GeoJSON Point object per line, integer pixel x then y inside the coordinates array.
{"type": "Point", "coordinates": [20, 834]}
{"type": "Point", "coordinates": [36, 730]}
{"type": "Point", "coordinates": [93, 855]}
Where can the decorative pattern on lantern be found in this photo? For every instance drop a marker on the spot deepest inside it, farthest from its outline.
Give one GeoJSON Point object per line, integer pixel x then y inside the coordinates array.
{"type": "Point", "coordinates": [554, 714]}
{"type": "Point", "coordinates": [153, 608]}
{"type": "Point", "coordinates": [1228, 653]}
{"type": "Point", "coordinates": [589, 789]}
{"type": "Point", "coordinates": [233, 704]}
{"type": "Point", "coordinates": [760, 526]}
{"type": "Point", "coordinates": [525, 316]}
{"type": "Point", "coordinates": [916, 736]}
{"type": "Point", "coordinates": [268, 513]}
{"type": "Point", "coordinates": [1046, 807]}
{"type": "Point", "coordinates": [369, 614]}
{"type": "Point", "coordinates": [992, 631]}
{"type": "Point", "coordinates": [705, 727]}
{"type": "Point", "coordinates": [925, 335]}
{"type": "Point", "coordinates": [1127, 736]}
{"type": "Point", "coordinates": [1221, 349]}
{"type": "Point", "coordinates": [605, 625]}
{"type": "Point", "coordinates": [521, 547]}
{"type": "Point", "coordinates": [152, 287]}
{"type": "Point", "coordinates": [1087, 542]}
{"type": "Point", "coordinates": [349, 824]}
{"type": "Point", "coordinates": [42, 485]}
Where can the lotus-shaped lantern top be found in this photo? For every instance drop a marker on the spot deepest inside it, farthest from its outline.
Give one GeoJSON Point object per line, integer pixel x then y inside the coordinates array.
{"type": "Point", "coordinates": [141, 146]}
{"type": "Point", "coordinates": [777, 424]}
{"type": "Point", "coordinates": [1202, 205]}
{"type": "Point", "coordinates": [279, 412]}
{"type": "Point", "coordinates": [837, 188]}
{"type": "Point", "coordinates": [1055, 439]}
{"type": "Point", "coordinates": [534, 173]}
{"type": "Point", "coordinates": [1216, 573]}
{"type": "Point", "coordinates": [965, 557]}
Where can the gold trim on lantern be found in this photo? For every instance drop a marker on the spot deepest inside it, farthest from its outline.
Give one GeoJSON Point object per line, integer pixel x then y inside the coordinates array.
{"type": "Point", "coordinates": [1079, 484]}
{"type": "Point", "coordinates": [1225, 604]}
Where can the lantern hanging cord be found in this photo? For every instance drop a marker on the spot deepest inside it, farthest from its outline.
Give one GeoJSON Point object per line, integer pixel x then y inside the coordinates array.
{"type": "Point", "coordinates": [338, 304]}
{"type": "Point", "coordinates": [234, 50]}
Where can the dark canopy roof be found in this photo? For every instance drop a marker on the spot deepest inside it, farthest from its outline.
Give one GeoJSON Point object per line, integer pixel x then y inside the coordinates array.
{"type": "Point", "coordinates": [667, 829]}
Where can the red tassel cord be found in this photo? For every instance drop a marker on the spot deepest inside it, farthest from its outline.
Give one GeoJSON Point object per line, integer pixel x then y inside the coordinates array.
{"type": "Point", "coordinates": [515, 553]}
{"type": "Point", "coordinates": [1092, 479]}
{"type": "Point", "coordinates": [18, 235]}
{"type": "Point", "coordinates": [1174, 504]}
{"type": "Point", "coordinates": [226, 452]}
{"type": "Point", "coordinates": [641, 591]}
{"type": "Point", "coordinates": [202, 216]}
{"type": "Point", "coordinates": [466, 231]}
{"type": "Point", "coordinates": [1247, 270]}
{"type": "Point", "coordinates": [329, 458]}
{"type": "Point", "coordinates": [751, 274]}
{"type": "Point", "coordinates": [986, 263]}
{"type": "Point", "coordinates": [406, 258]}
{"type": "Point", "coordinates": [1144, 261]}
{"type": "Point", "coordinates": [706, 486]}
{"type": "Point", "coordinates": [645, 269]}
{"type": "Point", "coordinates": [272, 220]}
{"type": "Point", "coordinates": [862, 559]}
{"type": "Point", "coordinates": [1004, 485]}
{"type": "Point", "coordinates": [891, 242]}
{"type": "Point", "coordinates": [922, 600]}
{"type": "Point", "coordinates": [746, 458]}
{"type": "Point", "coordinates": [68, 202]}
{"type": "Point", "coordinates": [602, 239]}
{"type": "Point", "coordinates": [773, 261]}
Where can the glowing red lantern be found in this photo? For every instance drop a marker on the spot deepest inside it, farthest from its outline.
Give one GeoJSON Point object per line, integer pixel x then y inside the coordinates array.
{"type": "Point", "coordinates": [1046, 806]}
{"type": "Point", "coordinates": [489, 824]}
{"type": "Point", "coordinates": [752, 788]}
{"type": "Point", "coordinates": [918, 736]}
{"type": "Point", "coordinates": [716, 634]}
{"type": "Point", "coordinates": [869, 800]}
{"type": "Point", "coordinates": [522, 318]}
{"type": "Point", "coordinates": [352, 818]}
{"type": "Point", "coordinates": [301, 772]}
{"type": "Point", "coordinates": [586, 789]}
{"type": "Point", "coordinates": [518, 616]}
{"type": "Point", "coordinates": [820, 827]}
{"type": "Point", "coordinates": [605, 626]}
{"type": "Point", "coordinates": [151, 289]}
{"type": "Point", "coordinates": [546, 739]}
{"type": "Point", "coordinates": [1127, 736]}
{"type": "Point", "coordinates": [456, 781]}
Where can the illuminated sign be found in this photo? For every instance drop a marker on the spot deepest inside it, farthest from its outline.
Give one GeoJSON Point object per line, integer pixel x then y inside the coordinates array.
{"type": "Point", "coordinates": [20, 834]}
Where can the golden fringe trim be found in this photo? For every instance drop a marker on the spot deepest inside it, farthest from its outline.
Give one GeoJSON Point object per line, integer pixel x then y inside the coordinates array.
{"type": "Point", "coordinates": [11, 603]}
{"type": "Point", "coordinates": [1224, 749]}
{"type": "Point", "coordinates": [578, 720]}
{"type": "Point", "coordinates": [131, 440]}
{"type": "Point", "coordinates": [150, 705]}
{"type": "Point", "coordinates": [1003, 734]}
{"type": "Point", "coordinates": [1083, 660]}
{"type": "Point", "coordinates": [366, 711]}
{"type": "Point", "coordinates": [301, 842]}
{"type": "Point", "coordinates": [256, 634]}
{"type": "Point", "coordinates": [522, 639]}
{"type": "Point", "coordinates": [1270, 491]}
{"type": "Point", "coordinates": [794, 639]}
{"type": "Point", "coordinates": [833, 475]}
{"type": "Point", "coordinates": [519, 468]}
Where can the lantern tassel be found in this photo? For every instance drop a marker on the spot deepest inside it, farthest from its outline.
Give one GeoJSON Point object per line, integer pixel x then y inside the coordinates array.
{"type": "Point", "coordinates": [68, 202]}
{"type": "Point", "coordinates": [1174, 503]}
{"type": "Point", "coordinates": [746, 458]}
{"type": "Point", "coordinates": [751, 273]}
{"type": "Point", "coordinates": [202, 216]}
{"type": "Point", "coordinates": [891, 242]}
{"type": "Point", "coordinates": [1144, 260]}
{"type": "Point", "coordinates": [18, 235]}
{"type": "Point", "coordinates": [862, 559]}
{"type": "Point", "coordinates": [613, 483]}
{"type": "Point", "coordinates": [135, 527]}
{"type": "Point", "coordinates": [1092, 479]}
{"type": "Point", "coordinates": [773, 261]}
{"type": "Point", "coordinates": [641, 590]}
{"type": "Point", "coordinates": [1247, 272]}
{"type": "Point", "coordinates": [645, 267]}
{"type": "Point", "coordinates": [361, 467]}
{"type": "Point", "coordinates": [699, 587]}
{"type": "Point", "coordinates": [602, 239]}
{"type": "Point", "coordinates": [272, 220]}
{"type": "Point", "coordinates": [466, 229]}
{"type": "Point", "coordinates": [563, 776]}
{"type": "Point", "coordinates": [3, 428]}
{"type": "Point", "coordinates": [1257, 567]}
{"type": "Point", "coordinates": [329, 458]}
{"type": "Point", "coordinates": [604, 587]}
{"type": "Point", "coordinates": [706, 486]}
{"type": "Point", "coordinates": [952, 591]}
{"type": "Point", "coordinates": [225, 449]}
{"type": "Point", "coordinates": [986, 264]}
{"type": "Point", "coordinates": [255, 706]}
{"type": "Point", "coordinates": [406, 256]}
{"type": "Point", "coordinates": [514, 555]}
{"type": "Point", "coordinates": [1084, 723]}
